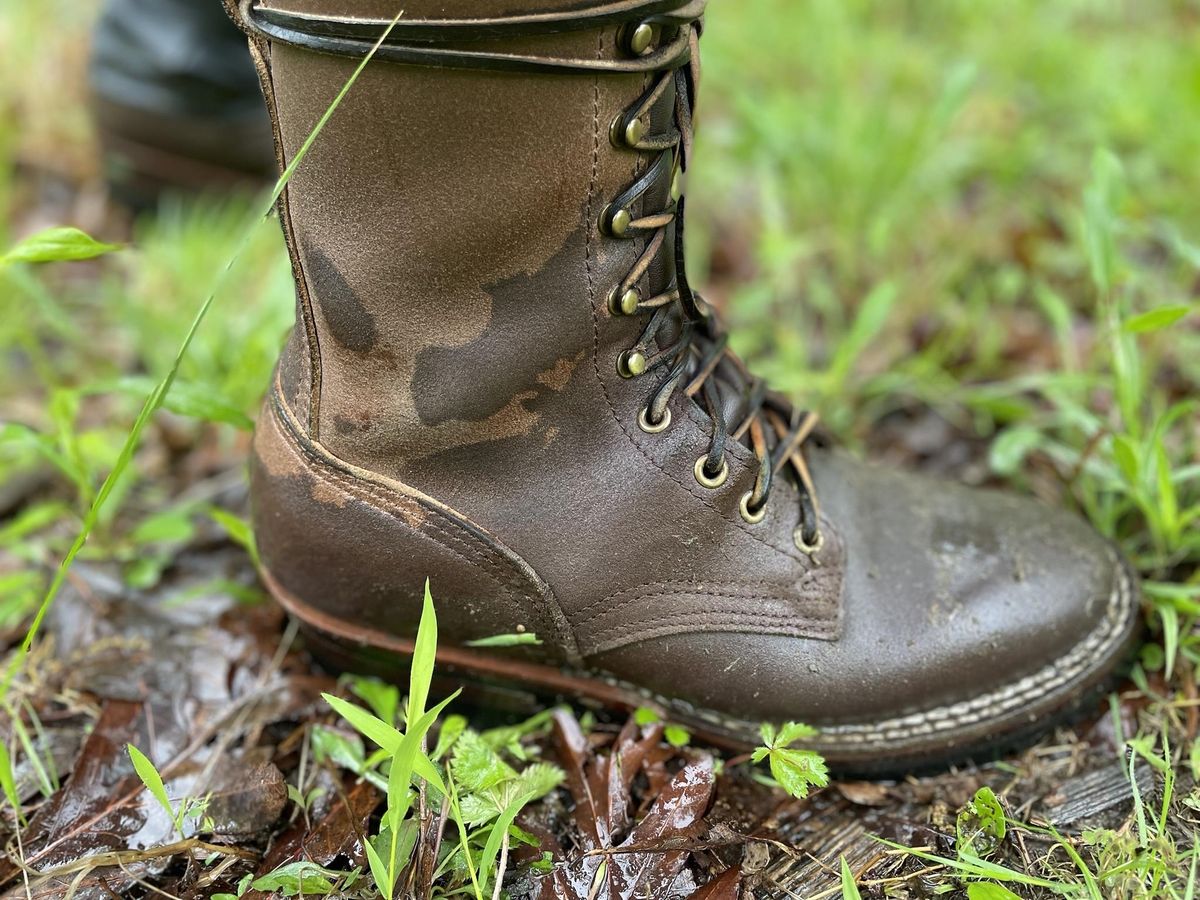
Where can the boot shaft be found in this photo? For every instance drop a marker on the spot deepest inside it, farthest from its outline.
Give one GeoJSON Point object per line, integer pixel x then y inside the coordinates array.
{"type": "Point", "coordinates": [452, 269]}
{"type": "Point", "coordinates": [460, 232]}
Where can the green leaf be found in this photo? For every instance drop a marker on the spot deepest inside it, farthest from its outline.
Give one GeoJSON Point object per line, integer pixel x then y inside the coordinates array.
{"type": "Point", "coordinates": [872, 316]}
{"type": "Point", "coordinates": [153, 782]}
{"type": "Point", "coordinates": [981, 824]}
{"type": "Point", "coordinates": [340, 749]}
{"type": "Point", "coordinates": [794, 731]}
{"type": "Point", "coordinates": [56, 245]}
{"type": "Point", "coordinates": [1156, 319]}
{"type": "Point", "coordinates": [645, 715]}
{"type": "Point", "coordinates": [387, 737]}
{"type": "Point", "coordinates": [989, 890]}
{"type": "Point", "coordinates": [487, 860]}
{"type": "Point", "coordinates": [506, 640]}
{"type": "Point", "coordinates": [384, 699]}
{"type": "Point", "coordinates": [448, 735]}
{"type": "Point", "coordinates": [373, 728]}
{"type": "Point", "coordinates": [677, 735]}
{"type": "Point", "coordinates": [1100, 220]}
{"type": "Point", "coordinates": [424, 655]}
{"type": "Point", "coordinates": [1009, 450]}
{"type": "Point", "coordinates": [477, 766]}
{"type": "Point", "coordinates": [237, 528]}
{"type": "Point", "coordinates": [298, 878]}
{"type": "Point", "coordinates": [379, 869]}
{"type": "Point", "coordinates": [196, 401]}
{"type": "Point", "coordinates": [1126, 456]}
{"type": "Point", "coordinates": [798, 770]}
{"type": "Point", "coordinates": [849, 888]}
{"type": "Point", "coordinates": [171, 526]}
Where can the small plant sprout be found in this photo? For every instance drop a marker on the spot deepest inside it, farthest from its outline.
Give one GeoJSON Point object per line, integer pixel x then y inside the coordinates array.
{"type": "Point", "coordinates": [481, 793]}
{"type": "Point", "coordinates": [389, 851]}
{"type": "Point", "coordinates": [189, 808]}
{"type": "Point", "coordinates": [794, 770]}
{"type": "Point", "coordinates": [981, 824]}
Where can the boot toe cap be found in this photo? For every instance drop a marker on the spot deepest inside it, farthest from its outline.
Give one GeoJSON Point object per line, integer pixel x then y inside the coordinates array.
{"type": "Point", "coordinates": [968, 613]}
{"type": "Point", "coordinates": [969, 618]}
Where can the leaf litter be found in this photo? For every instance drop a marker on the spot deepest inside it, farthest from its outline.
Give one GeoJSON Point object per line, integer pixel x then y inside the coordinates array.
{"type": "Point", "coordinates": [272, 796]}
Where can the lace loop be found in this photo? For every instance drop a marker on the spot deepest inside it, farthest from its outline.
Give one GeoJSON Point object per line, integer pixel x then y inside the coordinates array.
{"type": "Point", "coordinates": [698, 352]}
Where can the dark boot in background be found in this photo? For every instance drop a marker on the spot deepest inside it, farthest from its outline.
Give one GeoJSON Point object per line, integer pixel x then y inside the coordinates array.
{"type": "Point", "coordinates": [176, 100]}
{"type": "Point", "coordinates": [501, 379]}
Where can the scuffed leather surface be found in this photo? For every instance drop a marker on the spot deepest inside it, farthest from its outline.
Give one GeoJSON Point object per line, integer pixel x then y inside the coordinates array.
{"type": "Point", "coordinates": [362, 548]}
{"type": "Point", "coordinates": [445, 228]}
{"type": "Point", "coordinates": [948, 591]}
{"type": "Point", "coordinates": [465, 347]}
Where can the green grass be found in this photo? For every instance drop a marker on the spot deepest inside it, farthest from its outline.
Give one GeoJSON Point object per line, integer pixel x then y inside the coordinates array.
{"type": "Point", "coordinates": [982, 210]}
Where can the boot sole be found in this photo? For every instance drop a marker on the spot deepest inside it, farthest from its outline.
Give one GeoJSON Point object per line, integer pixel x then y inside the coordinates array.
{"type": "Point", "coordinates": [978, 729]}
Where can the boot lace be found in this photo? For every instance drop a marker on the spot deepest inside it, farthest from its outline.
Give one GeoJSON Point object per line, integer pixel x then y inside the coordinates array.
{"type": "Point", "coordinates": [695, 347]}
{"type": "Point", "coordinates": [681, 342]}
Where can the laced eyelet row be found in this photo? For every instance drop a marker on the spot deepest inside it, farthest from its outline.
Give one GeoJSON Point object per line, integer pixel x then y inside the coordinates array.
{"type": "Point", "coordinates": [697, 348]}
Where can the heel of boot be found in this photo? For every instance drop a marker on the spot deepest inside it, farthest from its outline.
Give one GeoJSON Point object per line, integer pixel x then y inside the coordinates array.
{"type": "Point", "coordinates": [349, 551]}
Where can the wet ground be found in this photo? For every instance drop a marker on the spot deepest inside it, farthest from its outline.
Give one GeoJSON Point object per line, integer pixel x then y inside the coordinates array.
{"type": "Point", "coordinates": [218, 690]}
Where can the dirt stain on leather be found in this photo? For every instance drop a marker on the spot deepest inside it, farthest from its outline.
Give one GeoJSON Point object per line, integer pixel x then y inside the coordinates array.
{"type": "Point", "coordinates": [522, 351]}
{"type": "Point", "coordinates": [349, 321]}
{"type": "Point", "coordinates": [965, 556]}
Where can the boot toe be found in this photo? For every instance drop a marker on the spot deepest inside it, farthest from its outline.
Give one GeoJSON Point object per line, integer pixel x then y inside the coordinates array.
{"type": "Point", "coordinates": [970, 620]}
{"type": "Point", "coordinates": [968, 614]}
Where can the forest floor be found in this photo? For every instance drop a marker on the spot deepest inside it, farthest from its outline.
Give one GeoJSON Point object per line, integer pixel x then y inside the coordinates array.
{"type": "Point", "coordinates": [966, 235]}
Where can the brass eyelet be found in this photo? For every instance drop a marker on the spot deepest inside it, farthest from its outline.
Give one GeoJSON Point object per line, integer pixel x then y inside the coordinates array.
{"type": "Point", "coordinates": [803, 546]}
{"type": "Point", "coordinates": [649, 427]}
{"type": "Point", "coordinates": [615, 222]}
{"type": "Point", "coordinates": [623, 304]}
{"type": "Point", "coordinates": [710, 481]}
{"type": "Point", "coordinates": [639, 38]}
{"type": "Point", "coordinates": [752, 518]}
{"type": "Point", "coordinates": [631, 363]}
{"type": "Point", "coordinates": [625, 135]}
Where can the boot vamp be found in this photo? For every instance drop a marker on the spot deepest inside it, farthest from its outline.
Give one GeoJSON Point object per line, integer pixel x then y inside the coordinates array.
{"type": "Point", "coordinates": [949, 593]}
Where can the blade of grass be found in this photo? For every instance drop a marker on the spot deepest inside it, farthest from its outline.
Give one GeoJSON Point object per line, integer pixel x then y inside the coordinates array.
{"type": "Point", "coordinates": [156, 397]}
{"type": "Point", "coordinates": [8, 783]}
{"type": "Point", "coordinates": [154, 784]}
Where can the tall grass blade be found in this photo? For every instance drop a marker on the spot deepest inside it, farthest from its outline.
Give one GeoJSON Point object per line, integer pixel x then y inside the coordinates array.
{"type": "Point", "coordinates": [155, 400]}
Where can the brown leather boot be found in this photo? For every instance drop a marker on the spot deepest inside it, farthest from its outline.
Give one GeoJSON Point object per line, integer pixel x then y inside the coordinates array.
{"type": "Point", "coordinates": [502, 380]}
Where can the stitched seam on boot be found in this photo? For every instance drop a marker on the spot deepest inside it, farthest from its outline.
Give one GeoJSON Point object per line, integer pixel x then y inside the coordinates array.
{"type": "Point", "coordinates": [439, 534]}
{"type": "Point", "coordinates": [992, 705]}
{"type": "Point", "coordinates": [259, 51]}
{"type": "Point", "coordinates": [503, 574]}
{"type": "Point", "coordinates": [700, 623]}
{"type": "Point", "coordinates": [732, 589]}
